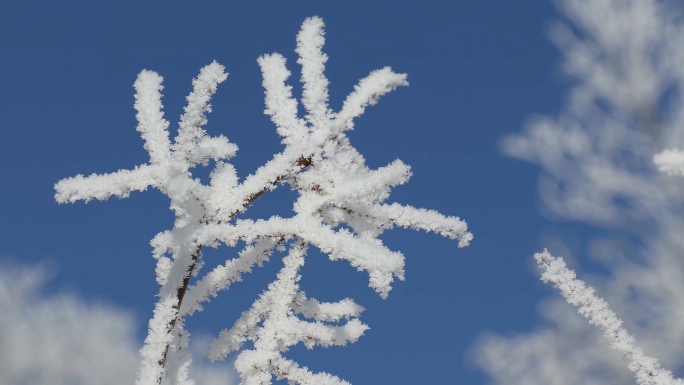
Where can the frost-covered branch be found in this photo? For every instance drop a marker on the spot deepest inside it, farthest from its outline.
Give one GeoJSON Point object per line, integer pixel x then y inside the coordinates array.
{"type": "Point", "coordinates": [337, 192]}
{"type": "Point", "coordinates": [646, 369]}
{"type": "Point", "coordinates": [276, 309]}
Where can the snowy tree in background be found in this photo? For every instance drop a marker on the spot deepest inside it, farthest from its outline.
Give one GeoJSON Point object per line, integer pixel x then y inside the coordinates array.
{"type": "Point", "coordinates": [603, 158]}
{"type": "Point", "coordinates": [340, 210]}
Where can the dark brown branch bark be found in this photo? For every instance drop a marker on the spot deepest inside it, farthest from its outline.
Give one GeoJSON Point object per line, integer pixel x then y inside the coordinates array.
{"type": "Point", "coordinates": [180, 295]}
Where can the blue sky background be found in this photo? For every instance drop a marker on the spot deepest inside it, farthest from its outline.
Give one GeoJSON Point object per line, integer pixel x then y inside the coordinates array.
{"type": "Point", "coordinates": [478, 70]}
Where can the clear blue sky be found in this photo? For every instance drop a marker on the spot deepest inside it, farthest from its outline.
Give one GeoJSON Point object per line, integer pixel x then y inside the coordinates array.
{"type": "Point", "coordinates": [477, 69]}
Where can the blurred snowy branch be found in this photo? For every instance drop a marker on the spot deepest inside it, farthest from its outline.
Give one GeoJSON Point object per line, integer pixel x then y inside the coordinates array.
{"type": "Point", "coordinates": [601, 158]}
{"type": "Point", "coordinates": [670, 162]}
{"type": "Point", "coordinates": [341, 210]}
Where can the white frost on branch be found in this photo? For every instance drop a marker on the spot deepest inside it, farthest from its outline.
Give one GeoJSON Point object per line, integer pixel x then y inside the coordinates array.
{"type": "Point", "coordinates": [646, 369]}
{"type": "Point", "coordinates": [341, 210]}
{"type": "Point", "coordinates": [280, 328]}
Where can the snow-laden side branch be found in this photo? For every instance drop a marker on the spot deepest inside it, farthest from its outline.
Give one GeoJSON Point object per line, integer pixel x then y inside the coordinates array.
{"type": "Point", "coordinates": [337, 192]}
{"type": "Point", "coordinates": [101, 187]}
{"type": "Point", "coordinates": [310, 42]}
{"type": "Point", "coordinates": [280, 104]}
{"type": "Point", "coordinates": [152, 126]}
{"type": "Point", "coordinates": [368, 92]}
{"type": "Point", "coordinates": [646, 369]}
{"type": "Point", "coordinates": [192, 143]}
{"type": "Point", "coordinates": [222, 276]}
{"type": "Point", "coordinates": [276, 311]}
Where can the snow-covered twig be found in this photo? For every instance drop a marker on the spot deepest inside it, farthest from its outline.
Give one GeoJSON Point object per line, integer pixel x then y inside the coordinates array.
{"type": "Point", "coordinates": [646, 369]}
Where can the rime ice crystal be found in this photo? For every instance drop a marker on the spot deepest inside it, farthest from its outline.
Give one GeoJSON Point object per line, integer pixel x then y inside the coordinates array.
{"type": "Point", "coordinates": [335, 188]}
